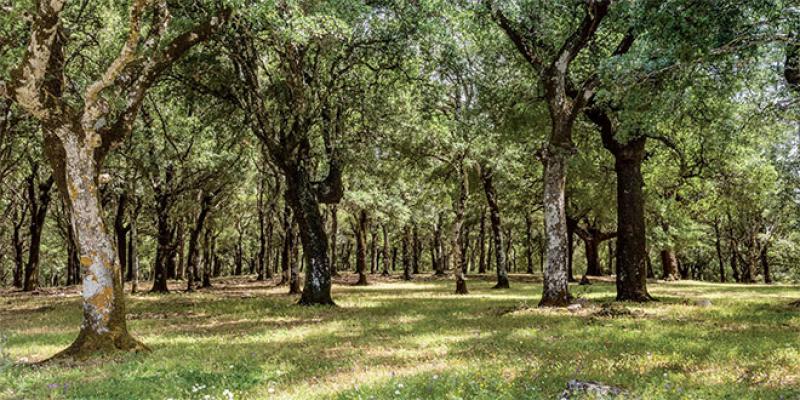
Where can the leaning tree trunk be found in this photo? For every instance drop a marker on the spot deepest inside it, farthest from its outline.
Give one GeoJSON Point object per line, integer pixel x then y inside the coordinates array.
{"type": "Point", "coordinates": [497, 235]}
{"type": "Point", "coordinates": [361, 247]}
{"type": "Point", "coordinates": [302, 198]}
{"type": "Point", "coordinates": [555, 292]}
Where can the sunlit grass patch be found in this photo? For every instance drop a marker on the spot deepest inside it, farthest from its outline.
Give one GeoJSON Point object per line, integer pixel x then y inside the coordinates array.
{"type": "Point", "coordinates": [408, 340]}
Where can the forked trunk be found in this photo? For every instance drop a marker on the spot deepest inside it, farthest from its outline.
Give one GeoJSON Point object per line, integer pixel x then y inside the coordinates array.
{"type": "Point", "coordinates": [104, 327]}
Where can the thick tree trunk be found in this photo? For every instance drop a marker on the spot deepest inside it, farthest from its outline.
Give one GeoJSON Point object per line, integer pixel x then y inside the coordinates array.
{"type": "Point", "coordinates": [669, 265]}
{"type": "Point", "coordinates": [74, 167]}
{"type": "Point", "coordinates": [497, 235]}
{"type": "Point", "coordinates": [38, 207]}
{"type": "Point", "coordinates": [361, 247]}
{"type": "Point", "coordinates": [385, 250]}
{"type": "Point", "coordinates": [631, 235]}
{"type": "Point", "coordinates": [592, 257]}
{"type": "Point", "coordinates": [555, 292]}
{"type": "Point", "coordinates": [305, 206]}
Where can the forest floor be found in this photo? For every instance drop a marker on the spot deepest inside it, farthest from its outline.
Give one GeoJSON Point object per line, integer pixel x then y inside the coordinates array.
{"type": "Point", "coordinates": [415, 340]}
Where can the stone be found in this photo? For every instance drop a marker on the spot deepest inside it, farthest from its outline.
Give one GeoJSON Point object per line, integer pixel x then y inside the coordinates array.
{"type": "Point", "coordinates": [574, 307]}
{"type": "Point", "coordinates": [595, 390]}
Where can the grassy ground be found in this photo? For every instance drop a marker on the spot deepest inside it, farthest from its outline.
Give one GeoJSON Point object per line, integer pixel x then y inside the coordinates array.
{"type": "Point", "coordinates": [397, 340]}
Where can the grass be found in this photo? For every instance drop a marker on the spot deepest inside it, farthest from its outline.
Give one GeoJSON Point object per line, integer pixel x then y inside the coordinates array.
{"type": "Point", "coordinates": [417, 340]}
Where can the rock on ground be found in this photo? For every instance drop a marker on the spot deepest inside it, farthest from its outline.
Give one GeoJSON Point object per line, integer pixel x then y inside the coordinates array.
{"type": "Point", "coordinates": [579, 389]}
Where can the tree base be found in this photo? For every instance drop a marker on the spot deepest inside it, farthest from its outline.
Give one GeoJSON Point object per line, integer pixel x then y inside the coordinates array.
{"type": "Point", "coordinates": [502, 284]}
{"type": "Point", "coordinates": [362, 281]}
{"type": "Point", "coordinates": [386, 273]}
{"type": "Point", "coordinates": [89, 345]}
{"type": "Point", "coordinates": [560, 300]}
{"type": "Point", "coordinates": [461, 287]}
{"type": "Point", "coordinates": [316, 301]}
{"type": "Point", "coordinates": [635, 297]}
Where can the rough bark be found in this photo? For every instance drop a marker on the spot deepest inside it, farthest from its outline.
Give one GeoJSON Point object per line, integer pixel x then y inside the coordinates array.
{"type": "Point", "coordinates": [555, 291]}
{"type": "Point", "coordinates": [294, 273]}
{"type": "Point", "coordinates": [669, 264]}
{"type": "Point", "coordinates": [482, 244]}
{"type": "Point", "coordinates": [415, 249]}
{"type": "Point", "coordinates": [373, 250]}
{"type": "Point", "coordinates": [121, 230]}
{"type": "Point", "coordinates": [406, 245]}
{"type": "Point", "coordinates": [208, 257]}
{"type": "Point", "coordinates": [133, 251]}
{"type": "Point", "coordinates": [763, 258]}
{"type": "Point", "coordinates": [163, 197]}
{"type": "Point", "coordinates": [18, 244]}
{"type": "Point", "coordinates": [528, 244]}
{"type": "Point", "coordinates": [438, 259]}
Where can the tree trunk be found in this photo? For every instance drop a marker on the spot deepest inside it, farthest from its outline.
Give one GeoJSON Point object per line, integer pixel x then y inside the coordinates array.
{"type": "Point", "coordinates": [457, 249]}
{"type": "Point", "coordinates": [669, 264]}
{"type": "Point", "coordinates": [497, 235]}
{"type": "Point", "coordinates": [718, 246]}
{"type": "Point", "coordinates": [334, 237]}
{"type": "Point", "coordinates": [76, 173]}
{"type": "Point", "coordinates": [19, 245]}
{"type": "Point", "coordinates": [385, 250]}
{"type": "Point", "coordinates": [163, 205]}
{"type": "Point", "coordinates": [373, 250]}
{"type": "Point", "coordinates": [38, 207]}
{"type": "Point", "coordinates": [179, 250]}
{"type": "Point", "coordinates": [121, 231]}
{"type": "Point", "coordinates": [528, 244]}
{"type": "Point", "coordinates": [765, 263]}
{"type": "Point", "coordinates": [555, 292]}
{"type": "Point", "coordinates": [406, 244]}
{"type": "Point", "coordinates": [194, 237]}
{"type": "Point", "coordinates": [571, 224]}
{"type": "Point", "coordinates": [361, 247]}
{"type": "Point", "coordinates": [208, 257]}
{"type": "Point", "coordinates": [482, 244]}
{"type": "Point", "coordinates": [592, 257]}
{"type": "Point", "coordinates": [438, 267]}
{"type": "Point", "coordinates": [415, 250]}
{"type": "Point", "coordinates": [133, 253]}
{"type": "Point", "coordinates": [294, 273]}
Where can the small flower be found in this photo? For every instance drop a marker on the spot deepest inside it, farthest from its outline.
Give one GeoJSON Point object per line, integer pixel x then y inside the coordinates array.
{"type": "Point", "coordinates": [397, 392]}
{"type": "Point", "coordinates": [400, 385]}
{"type": "Point", "coordinates": [228, 394]}
{"type": "Point", "coordinates": [271, 390]}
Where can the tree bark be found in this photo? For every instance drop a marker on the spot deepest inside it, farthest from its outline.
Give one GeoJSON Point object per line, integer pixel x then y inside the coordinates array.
{"type": "Point", "coordinates": [133, 252]}
{"type": "Point", "coordinates": [361, 247]}
{"type": "Point", "coordinates": [294, 273]}
{"type": "Point", "coordinates": [38, 205]}
{"type": "Point", "coordinates": [121, 231]}
{"type": "Point", "coordinates": [555, 292]}
{"type": "Point", "coordinates": [763, 257]}
{"type": "Point", "coordinates": [385, 250]}
{"type": "Point", "coordinates": [164, 237]}
{"type": "Point", "coordinates": [718, 246]}
{"type": "Point", "coordinates": [497, 236]}
{"type": "Point", "coordinates": [457, 248]}
{"type": "Point", "coordinates": [373, 250]}
{"type": "Point", "coordinates": [208, 257]}
{"type": "Point", "coordinates": [206, 200]}
{"type": "Point", "coordinates": [438, 265]}
{"type": "Point", "coordinates": [669, 264]}
{"type": "Point", "coordinates": [482, 244]}
{"type": "Point", "coordinates": [407, 250]}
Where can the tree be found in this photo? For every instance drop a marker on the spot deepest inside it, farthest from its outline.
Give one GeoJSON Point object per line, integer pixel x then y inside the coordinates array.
{"type": "Point", "coordinates": [78, 139]}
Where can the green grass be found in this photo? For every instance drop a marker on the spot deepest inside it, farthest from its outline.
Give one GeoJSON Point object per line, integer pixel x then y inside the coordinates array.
{"type": "Point", "coordinates": [397, 340]}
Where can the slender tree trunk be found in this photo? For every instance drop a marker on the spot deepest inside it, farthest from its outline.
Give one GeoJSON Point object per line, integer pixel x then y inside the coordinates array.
{"type": "Point", "coordinates": [385, 250]}
{"type": "Point", "coordinates": [373, 250]}
{"type": "Point", "coordinates": [457, 248]}
{"type": "Point", "coordinates": [482, 244]}
{"type": "Point", "coordinates": [765, 263]}
{"type": "Point", "coordinates": [497, 235]}
{"type": "Point", "coordinates": [163, 205]}
{"type": "Point", "coordinates": [718, 246]}
{"type": "Point", "coordinates": [437, 244]}
{"type": "Point", "coordinates": [334, 238]}
{"type": "Point", "coordinates": [571, 224]}
{"type": "Point", "coordinates": [208, 257]}
{"type": "Point", "coordinates": [133, 253]}
{"type": "Point", "coordinates": [194, 237]}
{"type": "Point", "coordinates": [406, 244]}
{"type": "Point", "coordinates": [179, 250]}
{"type": "Point", "coordinates": [121, 231]}
{"type": "Point", "coordinates": [286, 248]}
{"type": "Point", "coordinates": [38, 207]}
{"type": "Point", "coordinates": [19, 246]}
{"type": "Point", "coordinates": [415, 250]}
{"type": "Point", "coordinates": [294, 273]}
{"type": "Point", "coordinates": [361, 247]}
{"type": "Point", "coordinates": [528, 244]}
